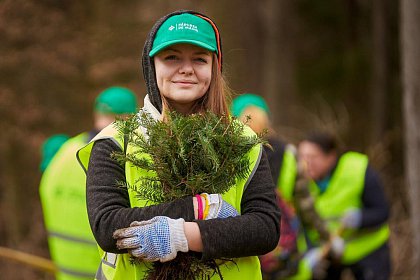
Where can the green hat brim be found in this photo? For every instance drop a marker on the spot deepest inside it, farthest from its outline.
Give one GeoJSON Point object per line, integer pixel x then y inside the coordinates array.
{"type": "Point", "coordinates": [164, 45]}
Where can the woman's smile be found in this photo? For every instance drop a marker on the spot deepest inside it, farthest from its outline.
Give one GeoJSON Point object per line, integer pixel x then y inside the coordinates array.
{"type": "Point", "coordinates": [184, 82]}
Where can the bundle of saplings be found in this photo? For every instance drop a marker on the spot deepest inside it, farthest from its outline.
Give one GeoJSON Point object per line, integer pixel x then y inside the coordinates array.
{"type": "Point", "coordinates": [189, 155]}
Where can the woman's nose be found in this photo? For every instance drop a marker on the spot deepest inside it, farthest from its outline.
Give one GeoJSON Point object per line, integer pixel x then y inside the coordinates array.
{"type": "Point", "coordinates": [186, 68]}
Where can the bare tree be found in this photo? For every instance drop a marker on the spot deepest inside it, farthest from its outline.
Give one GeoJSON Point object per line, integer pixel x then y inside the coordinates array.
{"type": "Point", "coordinates": [410, 46]}
{"type": "Point", "coordinates": [279, 58]}
{"type": "Point", "coordinates": [380, 68]}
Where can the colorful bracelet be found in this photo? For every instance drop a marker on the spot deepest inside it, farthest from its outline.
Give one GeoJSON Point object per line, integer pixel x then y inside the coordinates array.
{"type": "Point", "coordinates": [200, 206]}
{"type": "Point", "coordinates": [206, 209]}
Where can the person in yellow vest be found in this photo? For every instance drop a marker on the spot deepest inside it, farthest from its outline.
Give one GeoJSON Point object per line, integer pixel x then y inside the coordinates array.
{"type": "Point", "coordinates": [63, 193]}
{"type": "Point", "coordinates": [182, 67]}
{"type": "Point", "coordinates": [253, 110]}
{"type": "Point", "coordinates": [348, 195]}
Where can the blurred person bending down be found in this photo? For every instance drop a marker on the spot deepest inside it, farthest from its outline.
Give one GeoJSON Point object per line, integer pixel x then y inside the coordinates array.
{"type": "Point", "coordinates": [72, 246]}
{"type": "Point", "coordinates": [348, 196]}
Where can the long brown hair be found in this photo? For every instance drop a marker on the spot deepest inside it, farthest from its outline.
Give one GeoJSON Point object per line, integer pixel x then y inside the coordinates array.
{"type": "Point", "coordinates": [217, 96]}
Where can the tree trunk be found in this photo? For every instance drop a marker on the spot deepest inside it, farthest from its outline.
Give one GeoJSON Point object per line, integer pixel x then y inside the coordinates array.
{"type": "Point", "coordinates": [380, 70]}
{"type": "Point", "coordinates": [410, 49]}
{"type": "Point", "coordinates": [279, 86]}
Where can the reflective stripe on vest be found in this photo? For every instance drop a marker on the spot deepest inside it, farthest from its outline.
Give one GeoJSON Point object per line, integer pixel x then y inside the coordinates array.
{"type": "Point", "coordinates": [71, 238]}
{"type": "Point", "coordinates": [62, 192]}
{"type": "Point", "coordinates": [247, 268]}
{"type": "Point", "coordinates": [109, 262]}
{"type": "Point", "coordinates": [65, 273]}
{"type": "Point", "coordinates": [343, 193]}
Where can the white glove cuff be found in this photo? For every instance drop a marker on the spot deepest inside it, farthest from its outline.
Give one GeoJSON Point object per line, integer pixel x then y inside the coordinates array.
{"type": "Point", "coordinates": [353, 219]}
{"type": "Point", "coordinates": [215, 203]}
{"type": "Point", "coordinates": [178, 239]}
{"type": "Point", "coordinates": [337, 246]}
{"type": "Point", "coordinates": [312, 257]}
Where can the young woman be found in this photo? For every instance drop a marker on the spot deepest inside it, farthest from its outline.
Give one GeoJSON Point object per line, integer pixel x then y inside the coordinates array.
{"type": "Point", "coordinates": [182, 67]}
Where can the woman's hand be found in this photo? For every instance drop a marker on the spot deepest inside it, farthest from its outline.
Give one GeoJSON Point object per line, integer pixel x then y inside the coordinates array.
{"type": "Point", "coordinates": [157, 239]}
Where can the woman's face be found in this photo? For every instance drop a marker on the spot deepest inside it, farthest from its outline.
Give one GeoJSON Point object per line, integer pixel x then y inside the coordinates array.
{"type": "Point", "coordinates": [183, 74]}
{"type": "Point", "coordinates": [316, 162]}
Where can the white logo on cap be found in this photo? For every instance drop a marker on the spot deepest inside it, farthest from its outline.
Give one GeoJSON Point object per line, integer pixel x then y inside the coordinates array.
{"type": "Point", "coordinates": [184, 25]}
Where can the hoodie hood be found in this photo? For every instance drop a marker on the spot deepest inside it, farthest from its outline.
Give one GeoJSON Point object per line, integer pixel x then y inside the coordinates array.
{"type": "Point", "coordinates": [148, 63]}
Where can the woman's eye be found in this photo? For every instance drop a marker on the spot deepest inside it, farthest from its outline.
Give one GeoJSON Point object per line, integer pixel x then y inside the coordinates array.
{"type": "Point", "coordinates": [171, 57]}
{"type": "Point", "coordinates": [201, 59]}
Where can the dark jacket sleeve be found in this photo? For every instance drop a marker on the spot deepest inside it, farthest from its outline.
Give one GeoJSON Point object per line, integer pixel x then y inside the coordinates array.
{"type": "Point", "coordinates": [375, 209]}
{"type": "Point", "coordinates": [108, 205]}
{"type": "Point", "coordinates": [275, 157]}
{"type": "Point", "coordinates": [256, 231]}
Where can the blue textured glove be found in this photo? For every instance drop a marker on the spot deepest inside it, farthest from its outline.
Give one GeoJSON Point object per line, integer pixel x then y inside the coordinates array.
{"type": "Point", "coordinates": [218, 208]}
{"type": "Point", "coordinates": [352, 219]}
{"type": "Point", "coordinates": [157, 239]}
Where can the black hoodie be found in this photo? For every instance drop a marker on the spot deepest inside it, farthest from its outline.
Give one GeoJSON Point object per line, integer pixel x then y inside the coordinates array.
{"type": "Point", "coordinates": [255, 232]}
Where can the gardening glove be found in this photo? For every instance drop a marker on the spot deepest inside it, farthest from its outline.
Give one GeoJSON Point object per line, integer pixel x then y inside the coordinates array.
{"type": "Point", "coordinates": [352, 219]}
{"type": "Point", "coordinates": [218, 208]}
{"type": "Point", "coordinates": [158, 239]}
{"type": "Point", "coordinates": [316, 262]}
{"type": "Point", "coordinates": [337, 247]}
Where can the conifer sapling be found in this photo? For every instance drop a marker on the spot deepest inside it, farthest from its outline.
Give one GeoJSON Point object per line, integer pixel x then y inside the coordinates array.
{"type": "Point", "coordinates": [185, 156]}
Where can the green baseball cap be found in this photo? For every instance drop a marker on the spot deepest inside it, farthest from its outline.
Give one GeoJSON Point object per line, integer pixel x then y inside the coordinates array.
{"type": "Point", "coordinates": [116, 100]}
{"type": "Point", "coordinates": [245, 100]}
{"type": "Point", "coordinates": [50, 147]}
{"type": "Point", "coordinates": [184, 28]}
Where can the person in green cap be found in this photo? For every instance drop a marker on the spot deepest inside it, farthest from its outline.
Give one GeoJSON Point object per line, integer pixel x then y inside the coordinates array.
{"type": "Point", "coordinates": [182, 67]}
{"type": "Point", "coordinates": [253, 110]}
{"type": "Point", "coordinates": [62, 192]}
{"type": "Point", "coordinates": [50, 147]}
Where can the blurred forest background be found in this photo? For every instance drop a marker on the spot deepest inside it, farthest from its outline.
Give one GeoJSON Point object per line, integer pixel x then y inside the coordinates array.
{"type": "Point", "coordinates": [320, 64]}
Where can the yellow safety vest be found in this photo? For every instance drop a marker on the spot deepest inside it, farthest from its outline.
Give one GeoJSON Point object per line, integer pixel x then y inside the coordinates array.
{"type": "Point", "coordinates": [119, 267]}
{"type": "Point", "coordinates": [287, 176]}
{"type": "Point", "coordinates": [62, 192]}
{"type": "Point", "coordinates": [343, 193]}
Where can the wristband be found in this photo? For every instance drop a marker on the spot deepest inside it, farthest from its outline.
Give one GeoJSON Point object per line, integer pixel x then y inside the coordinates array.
{"type": "Point", "coordinates": [200, 206]}
{"type": "Point", "coordinates": [206, 209]}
